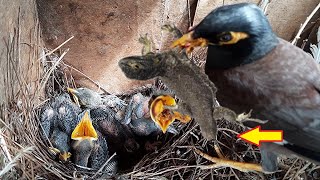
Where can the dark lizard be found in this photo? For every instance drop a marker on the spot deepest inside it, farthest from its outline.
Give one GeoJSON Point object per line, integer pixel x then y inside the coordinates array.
{"type": "Point", "coordinates": [194, 88]}
{"type": "Point", "coordinates": [183, 76]}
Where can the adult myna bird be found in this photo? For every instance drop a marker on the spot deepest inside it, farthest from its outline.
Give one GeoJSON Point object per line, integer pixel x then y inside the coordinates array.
{"type": "Point", "coordinates": [58, 118]}
{"type": "Point", "coordinates": [254, 69]}
{"type": "Point", "coordinates": [89, 146]}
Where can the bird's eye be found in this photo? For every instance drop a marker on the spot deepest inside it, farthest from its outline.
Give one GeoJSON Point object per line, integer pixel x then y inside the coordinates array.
{"type": "Point", "coordinates": [231, 37]}
{"type": "Point", "coordinates": [225, 37]}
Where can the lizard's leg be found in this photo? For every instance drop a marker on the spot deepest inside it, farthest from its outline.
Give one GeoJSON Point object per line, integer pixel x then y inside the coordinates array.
{"type": "Point", "coordinates": [172, 29]}
{"type": "Point", "coordinates": [228, 114]}
{"type": "Point", "coordinates": [147, 44]}
{"type": "Point", "coordinates": [177, 34]}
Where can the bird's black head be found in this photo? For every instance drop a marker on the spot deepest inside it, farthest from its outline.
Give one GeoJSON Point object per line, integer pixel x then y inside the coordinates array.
{"type": "Point", "coordinates": [236, 34]}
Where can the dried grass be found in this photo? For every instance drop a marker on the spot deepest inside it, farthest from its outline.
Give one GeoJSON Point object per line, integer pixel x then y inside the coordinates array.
{"type": "Point", "coordinates": [25, 154]}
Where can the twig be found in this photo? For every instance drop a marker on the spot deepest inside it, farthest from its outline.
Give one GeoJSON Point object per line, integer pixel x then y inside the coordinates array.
{"type": "Point", "coordinates": [52, 51]}
{"type": "Point", "coordinates": [4, 148]}
{"type": "Point", "coordinates": [290, 168]}
{"type": "Point", "coordinates": [264, 5]}
{"type": "Point", "coordinates": [301, 170]}
{"type": "Point", "coordinates": [297, 37]}
{"type": "Point", "coordinates": [13, 162]}
{"type": "Point", "coordinates": [96, 83]}
{"type": "Point", "coordinates": [43, 82]}
{"type": "Point", "coordinates": [104, 165]}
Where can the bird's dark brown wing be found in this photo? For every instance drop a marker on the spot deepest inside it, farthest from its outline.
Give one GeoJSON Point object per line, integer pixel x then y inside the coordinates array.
{"type": "Point", "coordinates": [283, 88]}
{"type": "Point", "coordinates": [297, 125]}
{"type": "Point", "coordinates": [294, 80]}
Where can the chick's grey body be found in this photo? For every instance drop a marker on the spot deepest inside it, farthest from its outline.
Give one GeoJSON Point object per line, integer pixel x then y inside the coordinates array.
{"type": "Point", "coordinates": [89, 98]}
{"type": "Point", "coordinates": [60, 140]}
{"type": "Point", "coordinates": [94, 154]}
{"type": "Point", "coordinates": [138, 117]}
{"type": "Point", "coordinates": [58, 119]}
{"type": "Point", "coordinates": [119, 137]}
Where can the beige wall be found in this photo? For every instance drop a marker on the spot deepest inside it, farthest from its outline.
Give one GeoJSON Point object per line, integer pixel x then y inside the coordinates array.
{"type": "Point", "coordinates": [106, 31]}
{"type": "Point", "coordinates": [18, 40]}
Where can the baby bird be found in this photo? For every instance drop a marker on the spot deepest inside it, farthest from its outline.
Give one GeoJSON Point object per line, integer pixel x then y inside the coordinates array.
{"type": "Point", "coordinates": [104, 119]}
{"type": "Point", "coordinates": [89, 146]}
{"type": "Point", "coordinates": [119, 136]}
{"type": "Point", "coordinates": [136, 114]}
{"type": "Point", "coordinates": [139, 119]}
{"type": "Point", "coordinates": [58, 118]}
{"type": "Point", "coordinates": [89, 98]}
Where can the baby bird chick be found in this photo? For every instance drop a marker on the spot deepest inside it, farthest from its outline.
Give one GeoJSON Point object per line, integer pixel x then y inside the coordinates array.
{"type": "Point", "coordinates": [163, 114]}
{"type": "Point", "coordinates": [58, 118]}
{"type": "Point", "coordinates": [89, 146]}
{"type": "Point", "coordinates": [105, 119]}
{"type": "Point", "coordinates": [140, 119]}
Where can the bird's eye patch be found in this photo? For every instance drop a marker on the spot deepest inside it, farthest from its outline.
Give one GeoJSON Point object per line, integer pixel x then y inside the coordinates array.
{"type": "Point", "coordinates": [231, 37]}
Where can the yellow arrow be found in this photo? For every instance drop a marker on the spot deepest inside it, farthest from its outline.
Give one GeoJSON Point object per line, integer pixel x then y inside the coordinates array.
{"type": "Point", "coordinates": [256, 136]}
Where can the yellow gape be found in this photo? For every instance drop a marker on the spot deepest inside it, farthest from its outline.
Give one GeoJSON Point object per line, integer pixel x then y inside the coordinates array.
{"type": "Point", "coordinates": [161, 112]}
{"type": "Point", "coordinates": [84, 129]}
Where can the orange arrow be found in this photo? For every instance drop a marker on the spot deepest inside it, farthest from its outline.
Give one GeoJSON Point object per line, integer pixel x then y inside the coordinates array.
{"type": "Point", "coordinates": [256, 136]}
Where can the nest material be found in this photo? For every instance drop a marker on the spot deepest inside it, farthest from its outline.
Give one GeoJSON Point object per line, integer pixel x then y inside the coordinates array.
{"type": "Point", "coordinates": [29, 156]}
{"type": "Point", "coordinates": [25, 154]}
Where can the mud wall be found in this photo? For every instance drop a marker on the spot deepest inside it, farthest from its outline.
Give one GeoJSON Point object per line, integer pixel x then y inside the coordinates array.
{"type": "Point", "coordinates": [106, 31]}
{"type": "Point", "coordinates": [19, 42]}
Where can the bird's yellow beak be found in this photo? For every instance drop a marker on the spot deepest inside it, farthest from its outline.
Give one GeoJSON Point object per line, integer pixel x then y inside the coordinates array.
{"type": "Point", "coordinates": [84, 129]}
{"type": "Point", "coordinates": [64, 156]}
{"type": "Point", "coordinates": [74, 93]}
{"type": "Point", "coordinates": [182, 118]}
{"type": "Point", "coordinates": [188, 42]}
{"type": "Point", "coordinates": [164, 119]}
{"type": "Point", "coordinates": [161, 112]}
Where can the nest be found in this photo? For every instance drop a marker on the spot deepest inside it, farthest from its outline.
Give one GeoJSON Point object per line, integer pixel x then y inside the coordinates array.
{"type": "Point", "coordinates": [26, 155]}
